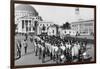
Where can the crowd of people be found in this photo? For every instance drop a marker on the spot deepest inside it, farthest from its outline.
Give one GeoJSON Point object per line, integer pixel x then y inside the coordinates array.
{"type": "Point", "coordinates": [59, 50]}
{"type": "Point", "coordinates": [20, 45]}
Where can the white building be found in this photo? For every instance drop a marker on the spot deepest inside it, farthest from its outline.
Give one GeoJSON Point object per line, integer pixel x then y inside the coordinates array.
{"type": "Point", "coordinates": [26, 17]}
{"type": "Point", "coordinates": [84, 27]}
{"type": "Point", "coordinates": [66, 32]}
{"type": "Point", "coordinates": [53, 30]}
{"type": "Point", "coordinates": [42, 27]}
{"type": "Point", "coordinates": [28, 20]}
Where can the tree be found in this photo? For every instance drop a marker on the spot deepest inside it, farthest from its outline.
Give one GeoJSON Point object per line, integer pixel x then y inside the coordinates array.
{"type": "Point", "coordinates": [43, 28]}
{"type": "Point", "coordinates": [66, 26]}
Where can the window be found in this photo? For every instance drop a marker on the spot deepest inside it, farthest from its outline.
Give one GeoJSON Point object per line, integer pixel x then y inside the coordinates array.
{"type": "Point", "coordinates": [29, 25]}
{"type": "Point", "coordinates": [29, 21]}
{"type": "Point", "coordinates": [65, 31]}
{"type": "Point", "coordinates": [26, 22]}
{"type": "Point", "coordinates": [33, 28]}
{"type": "Point", "coordinates": [53, 31]}
{"type": "Point", "coordinates": [22, 24]}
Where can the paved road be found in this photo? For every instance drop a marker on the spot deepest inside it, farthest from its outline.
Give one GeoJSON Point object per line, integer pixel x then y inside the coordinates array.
{"type": "Point", "coordinates": [31, 59]}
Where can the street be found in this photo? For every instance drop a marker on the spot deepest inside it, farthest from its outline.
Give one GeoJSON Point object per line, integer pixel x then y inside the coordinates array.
{"type": "Point", "coordinates": [31, 59]}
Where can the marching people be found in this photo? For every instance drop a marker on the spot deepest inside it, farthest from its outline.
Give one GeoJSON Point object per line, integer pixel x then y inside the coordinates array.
{"type": "Point", "coordinates": [62, 48]}
{"type": "Point", "coordinates": [18, 46]}
{"type": "Point", "coordinates": [82, 50]}
{"type": "Point", "coordinates": [43, 48]}
{"type": "Point", "coordinates": [52, 51]}
{"type": "Point", "coordinates": [62, 52]}
{"type": "Point", "coordinates": [36, 47]}
{"type": "Point", "coordinates": [68, 51]}
{"type": "Point", "coordinates": [58, 60]}
{"type": "Point", "coordinates": [39, 51]}
{"type": "Point", "coordinates": [25, 46]}
{"type": "Point", "coordinates": [75, 51]}
{"type": "Point", "coordinates": [57, 49]}
{"type": "Point", "coordinates": [78, 46]}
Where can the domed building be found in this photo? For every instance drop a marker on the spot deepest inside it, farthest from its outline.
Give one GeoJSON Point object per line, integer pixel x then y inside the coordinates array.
{"type": "Point", "coordinates": [26, 18]}
{"type": "Point", "coordinates": [25, 10]}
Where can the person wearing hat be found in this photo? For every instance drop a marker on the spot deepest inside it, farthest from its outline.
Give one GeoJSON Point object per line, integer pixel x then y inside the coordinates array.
{"type": "Point", "coordinates": [25, 46]}
{"type": "Point", "coordinates": [36, 47]}
{"type": "Point", "coordinates": [62, 48]}
{"type": "Point", "coordinates": [55, 51]}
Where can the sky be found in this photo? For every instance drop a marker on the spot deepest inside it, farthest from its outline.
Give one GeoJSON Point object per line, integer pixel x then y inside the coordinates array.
{"type": "Point", "coordinates": [59, 15]}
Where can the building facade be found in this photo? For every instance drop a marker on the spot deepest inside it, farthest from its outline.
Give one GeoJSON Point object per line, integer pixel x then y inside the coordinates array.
{"type": "Point", "coordinates": [26, 18]}
{"type": "Point", "coordinates": [66, 32]}
{"type": "Point", "coordinates": [42, 27]}
{"type": "Point", "coordinates": [53, 30]}
{"type": "Point", "coordinates": [85, 27]}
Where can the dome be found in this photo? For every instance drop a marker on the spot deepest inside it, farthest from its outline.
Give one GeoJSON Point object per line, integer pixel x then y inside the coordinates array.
{"type": "Point", "coordinates": [26, 7]}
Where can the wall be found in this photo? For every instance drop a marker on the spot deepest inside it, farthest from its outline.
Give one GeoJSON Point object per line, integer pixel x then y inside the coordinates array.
{"type": "Point", "coordinates": [5, 35]}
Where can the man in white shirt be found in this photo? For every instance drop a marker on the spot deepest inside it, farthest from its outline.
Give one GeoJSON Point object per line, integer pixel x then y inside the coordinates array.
{"type": "Point", "coordinates": [75, 51]}
{"type": "Point", "coordinates": [62, 48]}
{"type": "Point", "coordinates": [52, 51]}
{"type": "Point", "coordinates": [55, 51]}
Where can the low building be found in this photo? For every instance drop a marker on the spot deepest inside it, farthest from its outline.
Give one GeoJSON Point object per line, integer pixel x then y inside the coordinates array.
{"type": "Point", "coordinates": [84, 27]}
{"type": "Point", "coordinates": [66, 32]}
{"type": "Point", "coordinates": [42, 27]}
{"type": "Point", "coordinates": [53, 30]}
